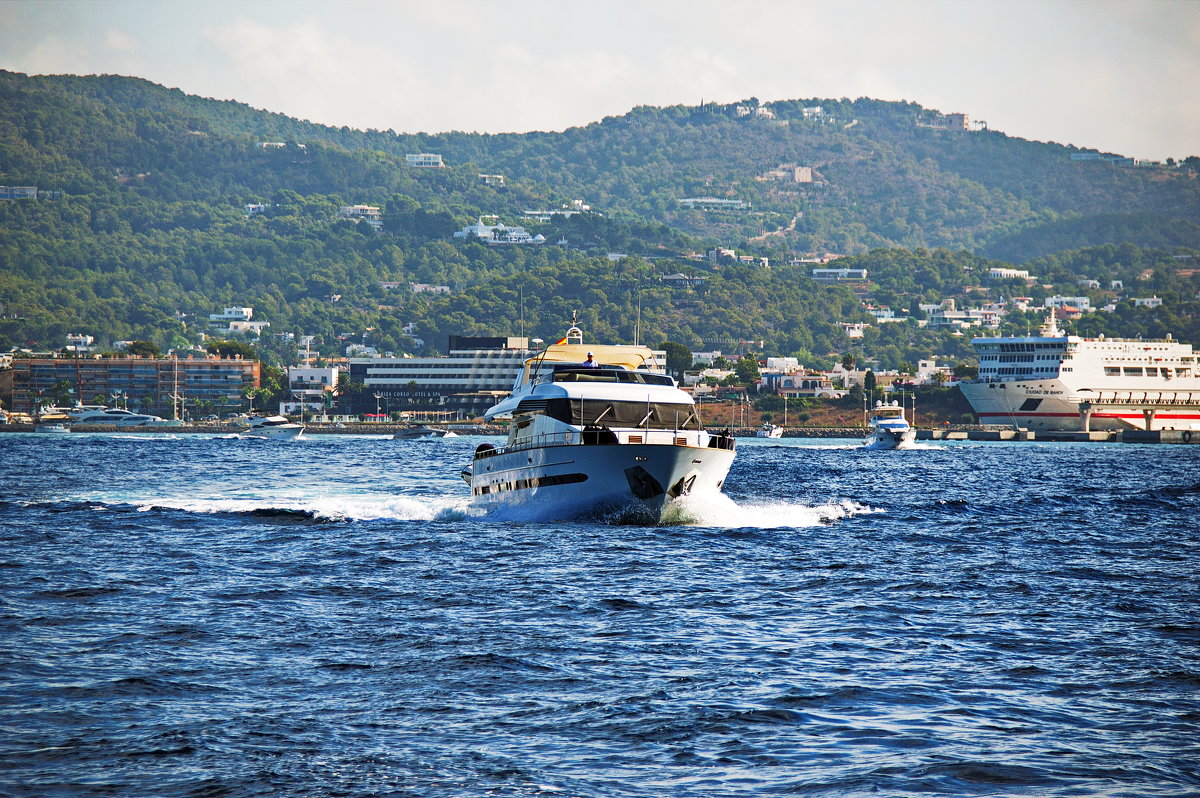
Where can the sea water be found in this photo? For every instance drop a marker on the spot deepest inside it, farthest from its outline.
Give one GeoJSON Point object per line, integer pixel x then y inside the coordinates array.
{"type": "Point", "coordinates": [206, 616]}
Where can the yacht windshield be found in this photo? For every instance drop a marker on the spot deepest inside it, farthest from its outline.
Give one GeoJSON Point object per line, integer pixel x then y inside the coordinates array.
{"type": "Point", "coordinates": [644, 415]}
{"type": "Point", "coordinates": [603, 374]}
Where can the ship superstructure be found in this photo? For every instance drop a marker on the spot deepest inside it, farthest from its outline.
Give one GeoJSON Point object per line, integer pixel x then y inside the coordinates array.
{"type": "Point", "coordinates": [1055, 381]}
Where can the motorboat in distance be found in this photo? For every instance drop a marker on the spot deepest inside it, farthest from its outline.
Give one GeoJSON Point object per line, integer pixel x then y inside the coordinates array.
{"type": "Point", "coordinates": [888, 428]}
{"type": "Point", "coordinates": [99, 415]}
{"type": "Point", "coordinates": [422, 432]}
{"type": "Point", "coordinates": [769, 430]}
{"type": "Point", "coordinates": [273, 428]}
{"type": "Point", "coordinates": [596, 431]}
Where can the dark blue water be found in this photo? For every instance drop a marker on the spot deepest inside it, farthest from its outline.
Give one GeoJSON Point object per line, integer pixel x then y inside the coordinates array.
{"type": "Point", "coordinates": [202, 616]}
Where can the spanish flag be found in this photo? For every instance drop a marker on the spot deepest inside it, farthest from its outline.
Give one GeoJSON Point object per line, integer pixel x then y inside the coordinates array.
{"type": "Point", "coordinates": [561, 341]}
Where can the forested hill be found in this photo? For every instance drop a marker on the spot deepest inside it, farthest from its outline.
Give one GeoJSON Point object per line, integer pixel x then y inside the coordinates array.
{"type": "Point", "coordinates": [143, 191]}
{"type": "Point", "coordinates": [881, 176]}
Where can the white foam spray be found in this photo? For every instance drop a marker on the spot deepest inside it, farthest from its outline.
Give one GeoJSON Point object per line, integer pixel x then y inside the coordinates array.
{"type": "Point", "coordinates": [329, 508]}
{"type": "Point", "coordinates": [721, 511]}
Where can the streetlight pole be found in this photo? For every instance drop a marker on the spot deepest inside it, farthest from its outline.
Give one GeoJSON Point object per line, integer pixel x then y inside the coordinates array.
{"type": "Point", "coordinates": [377, 398]}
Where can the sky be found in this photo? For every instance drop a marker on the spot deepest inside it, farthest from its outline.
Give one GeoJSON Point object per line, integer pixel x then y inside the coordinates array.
{"type": "Point", "coordinates": [1115, 75]}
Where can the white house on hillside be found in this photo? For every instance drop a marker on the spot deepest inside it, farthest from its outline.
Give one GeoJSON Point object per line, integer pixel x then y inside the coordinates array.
{"type": "Point", "coordinates": [237, 320]}
{"type": "Point", "coordinates": [490, 231]}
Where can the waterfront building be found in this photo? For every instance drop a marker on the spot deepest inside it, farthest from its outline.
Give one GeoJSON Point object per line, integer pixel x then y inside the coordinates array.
{"type": "Point", "coordinates": [156, 385]}
{"type": "Point", "coordinates": [473, 375]}
{"type": "Point", "coordinates": [308, 386]}
{"type": "Point", "coordinates": [798, 383]}
{"type": "Point", "coordinates": [469, 379]}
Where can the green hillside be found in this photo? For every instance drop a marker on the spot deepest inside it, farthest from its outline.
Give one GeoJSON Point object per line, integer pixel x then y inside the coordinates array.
{"type": "Point", "coordinates": [141, 229]}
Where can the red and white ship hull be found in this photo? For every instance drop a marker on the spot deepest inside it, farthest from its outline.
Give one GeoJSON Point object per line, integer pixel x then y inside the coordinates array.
{"type": "Point", "coordinates": [1049, 405]}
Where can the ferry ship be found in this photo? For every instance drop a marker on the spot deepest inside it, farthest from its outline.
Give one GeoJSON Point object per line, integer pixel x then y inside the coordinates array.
{"type": "Point", "coordinates": [1055, 381]}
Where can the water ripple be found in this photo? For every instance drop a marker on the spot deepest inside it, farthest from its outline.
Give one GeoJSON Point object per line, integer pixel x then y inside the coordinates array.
{"type": "Point", "coordinates": [179, 619]}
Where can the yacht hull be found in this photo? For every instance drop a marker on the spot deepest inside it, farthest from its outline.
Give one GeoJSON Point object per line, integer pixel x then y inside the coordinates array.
{"type": "Point", "coordinates": [422, 433]}
{"type": "Point", "coordinates": [891, 439]}
{"type": "Point", "coordinates": [626, 481]}
{"type": "Point", "coordinates": [276, 433]}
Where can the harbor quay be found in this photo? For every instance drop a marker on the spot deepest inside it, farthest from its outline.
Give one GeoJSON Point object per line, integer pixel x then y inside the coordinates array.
{"type": "Point", "coordinates": [952, 433]}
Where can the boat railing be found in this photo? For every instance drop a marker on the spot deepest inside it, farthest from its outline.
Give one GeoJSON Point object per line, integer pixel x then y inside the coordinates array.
{"type": "Point", "coordinates": [1170, 398]}
{"type": "Point", "coordinates": [590, 437]}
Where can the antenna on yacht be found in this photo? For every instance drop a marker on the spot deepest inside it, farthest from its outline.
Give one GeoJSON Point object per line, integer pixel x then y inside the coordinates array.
{"type": "Point", "coordinates": [574, 335]}
{"type": "Point", "coordinates": [637, 328]}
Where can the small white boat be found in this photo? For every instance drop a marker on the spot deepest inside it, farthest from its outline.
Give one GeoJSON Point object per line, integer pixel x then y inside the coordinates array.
{"type": "Point", "coordinates": [888, 428]}
{"type": "Point", "coordinates": [422, 432]}
{"type": "Point", "coordinates": [52, 428]}
{"type": "Point", "coordinates": [273, 428]}
{"type": "Point", "coordinates": [769, 430]}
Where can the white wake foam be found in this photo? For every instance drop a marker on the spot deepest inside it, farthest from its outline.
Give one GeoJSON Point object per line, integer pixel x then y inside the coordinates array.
{"type": "Point", "coordinates": [330, 508]}
{"type": "Point", "coordinates": [721, 511]}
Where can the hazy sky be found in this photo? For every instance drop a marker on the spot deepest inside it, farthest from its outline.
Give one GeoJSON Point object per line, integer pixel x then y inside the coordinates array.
{"type": "Point", "coordinates": [1116, 75]}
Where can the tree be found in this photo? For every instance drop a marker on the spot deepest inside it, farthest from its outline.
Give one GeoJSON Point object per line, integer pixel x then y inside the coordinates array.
{"type": "Point", "coordinates": [869, 382]}
{"type": "Point", "coordinates": [747, 369]}
{"type": "Point", "coordinates": [142, 349]}
{"type": "Point", "coordinates": [226, 348]}
{"type": "Point", "coordinates": [965, 371]}
{"type": "Point", "coordinates": [679, 359]}
{"type": "Point", "coordinates": [261, 396]}
{"type": "Point", "coordinates": [60, 393]}
{"type": "Point", "coordinates": [848, 361]}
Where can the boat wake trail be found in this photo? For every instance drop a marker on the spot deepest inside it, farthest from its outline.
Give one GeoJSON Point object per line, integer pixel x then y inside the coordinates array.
{"type": "Point", "coordinates": [722, 511]}
{"type": "Point", "coordinates": [329, 508]}
{"type": "Point", "coordinates": [904, 447]}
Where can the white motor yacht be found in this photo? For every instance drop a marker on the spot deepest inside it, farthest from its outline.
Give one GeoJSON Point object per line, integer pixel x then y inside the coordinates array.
{"type": "Point", "coordinates": [769, 430]}
{"type": "Point", "coordinates": [888, 429]}
{"type": "Point", "coordinates": [596, 430]}
{"type": "Point", "coordinates": [422, 432]}
{"type": "Point", "coordinates": [273, 427]}
{"type": "Point", "coordinates": [97, 415]}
